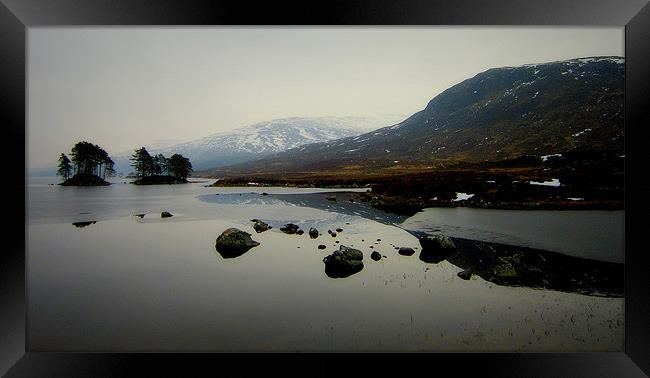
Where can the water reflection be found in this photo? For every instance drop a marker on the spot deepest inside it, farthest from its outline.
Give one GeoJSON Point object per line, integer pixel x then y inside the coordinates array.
{"type": "Point", "coordinates": [319, 201]}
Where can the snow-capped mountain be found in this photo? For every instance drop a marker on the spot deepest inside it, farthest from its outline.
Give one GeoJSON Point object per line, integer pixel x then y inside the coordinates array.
{"type": "Point", "coordinates": [502, 113]}
{"type": "Point", "coordinates": [264, 138]}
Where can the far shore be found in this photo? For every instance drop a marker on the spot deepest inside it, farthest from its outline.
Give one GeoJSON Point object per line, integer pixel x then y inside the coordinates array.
{"type": "Point", "coordinates": [412, 200]}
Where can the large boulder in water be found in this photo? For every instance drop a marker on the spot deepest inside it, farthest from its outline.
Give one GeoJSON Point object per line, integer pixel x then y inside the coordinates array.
{"type": "Point", "coordinates": [234, 242]}
{"type": "Point", "coordinates": [344, 262]}
{"type": "Point", "coordinates": [436, 248]}
{"type": "Point", "coordinates": [437, 243]}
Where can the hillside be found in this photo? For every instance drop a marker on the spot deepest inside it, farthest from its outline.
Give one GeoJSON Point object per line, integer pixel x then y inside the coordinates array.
{"type": "Point", "coordinates": [499, 114]}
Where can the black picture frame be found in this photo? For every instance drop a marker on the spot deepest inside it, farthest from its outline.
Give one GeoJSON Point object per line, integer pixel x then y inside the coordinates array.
{"type": "Point", "coordinates": [17, 16]}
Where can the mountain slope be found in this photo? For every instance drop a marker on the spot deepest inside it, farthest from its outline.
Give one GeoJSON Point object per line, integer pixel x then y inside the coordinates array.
{"type": "Point", "coordinates": [499, 114]}
{"type": "Point", "coordinates": [265, 138]}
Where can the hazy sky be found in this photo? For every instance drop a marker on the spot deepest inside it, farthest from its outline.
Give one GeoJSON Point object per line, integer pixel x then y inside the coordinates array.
{"type": "Point", "coordinates": [126, 87]}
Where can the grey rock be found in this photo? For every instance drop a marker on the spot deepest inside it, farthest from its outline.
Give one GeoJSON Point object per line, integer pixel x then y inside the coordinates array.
{"type": "Point", "coordinates": [290, 228]}
{"type": "Point", "coordinates": [261, 226]}
{"type": "Point", "coordinates": [234, 242]}
{"type": "Point", "coordinates": [406, 251]}
{"type": "Point", "coordinates": [344, 262]}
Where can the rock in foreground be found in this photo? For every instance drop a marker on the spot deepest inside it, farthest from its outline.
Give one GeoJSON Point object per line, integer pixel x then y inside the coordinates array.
{"type": "Point", "coordinates": [344, 262]}
{"type": "Point", "coordinates": [234, 242]}
{"type": "Point", "coordinates": [437, 243]}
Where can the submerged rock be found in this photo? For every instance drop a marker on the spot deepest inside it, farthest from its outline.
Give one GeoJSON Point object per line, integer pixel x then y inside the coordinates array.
{"type": "Point", "coordinates": [234, 242]}
{"type": "Point", "coordinates": [290, 228]}
{"type": "Point", "coordinates": [333, 234]}
{"type": "Point", "coordinates": [406, 251]}
{"type": "Point", "coordinates": [339, 230]}
{"type": "Point", "coordinates": [313, 233]}
{"type": "Point", "coordinates": [375, 256]}
{"type": "Point", "coordinates": [331, 198]}
{"type": "Point", "coordinates": [321, 246]}
{"type": "Point", "coordinates": [139, 215]}
{"type": "Point", "coordinates": [344, 262]}
{"type": "Point", "coordinates": [83, 224]}
{"type": "Point", "coordinates": [260, 226]}
{"type": "Point", "coordinates": [166, 214]}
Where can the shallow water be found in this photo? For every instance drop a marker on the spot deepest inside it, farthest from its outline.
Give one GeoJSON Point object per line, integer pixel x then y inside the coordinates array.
{"type": "Point", "coordinates": [152, 284]}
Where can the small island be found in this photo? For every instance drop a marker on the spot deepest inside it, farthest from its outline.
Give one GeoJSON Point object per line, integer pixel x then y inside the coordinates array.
{"type": "Point", "coordinates": [159, 170]}
{"type": "Point", "coordinates": [89, 166]}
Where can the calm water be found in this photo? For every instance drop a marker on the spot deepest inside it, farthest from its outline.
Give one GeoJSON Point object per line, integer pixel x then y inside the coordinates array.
{"type": "Point", "coordinates": [152, 284]}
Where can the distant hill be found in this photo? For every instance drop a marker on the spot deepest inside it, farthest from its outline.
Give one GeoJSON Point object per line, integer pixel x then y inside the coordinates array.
{"type": "Point", "coordinates": [499, 114]}
{"type": "Point", "coordinates": [263, 139]}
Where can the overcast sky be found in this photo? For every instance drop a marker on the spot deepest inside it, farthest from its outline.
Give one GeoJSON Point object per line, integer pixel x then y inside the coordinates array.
{"type": "Point", "coordinates": [126, 87]}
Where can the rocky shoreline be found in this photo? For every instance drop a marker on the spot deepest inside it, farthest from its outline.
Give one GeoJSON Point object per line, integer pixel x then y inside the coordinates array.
{"type": "Point", "coordinates": [573, 181]}
{"type": "Point", "coordinates": [500, 264]}
{"type": "Point", "coordinates": [411, 203]}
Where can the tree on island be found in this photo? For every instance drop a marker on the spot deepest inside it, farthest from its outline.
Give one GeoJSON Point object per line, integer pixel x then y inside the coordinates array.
{"type": "Point", "coordinates": [180, 166]}
{"type": "Point", "coordinates": [158, 169]}
{"type": "Point", "coordinates": [90, 164]}
{"type": "Point", "coordinates": [65, 168]}
{"type": "Point", "coordinates": [143, 163]}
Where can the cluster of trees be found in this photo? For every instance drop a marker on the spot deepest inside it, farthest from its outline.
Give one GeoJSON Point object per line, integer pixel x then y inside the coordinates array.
{"type": "Point", "coordinates": [146, 165]}
{"type": "Point", "coordinates": [87, 159]}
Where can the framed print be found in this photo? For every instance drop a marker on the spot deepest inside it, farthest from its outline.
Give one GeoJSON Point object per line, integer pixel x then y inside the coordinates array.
{"type": "Point", "coordinates": [332, 184]}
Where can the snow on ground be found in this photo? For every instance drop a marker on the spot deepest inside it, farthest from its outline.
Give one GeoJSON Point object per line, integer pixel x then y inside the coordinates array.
{"type": "Point", "coordinates": [545, 157]}
{"type": "Point", "coordinates": [580, 133]}
{"type": "Point", "coordinates": [463, 196]}
{"type": "Point", "coordinates": [553, 182]}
